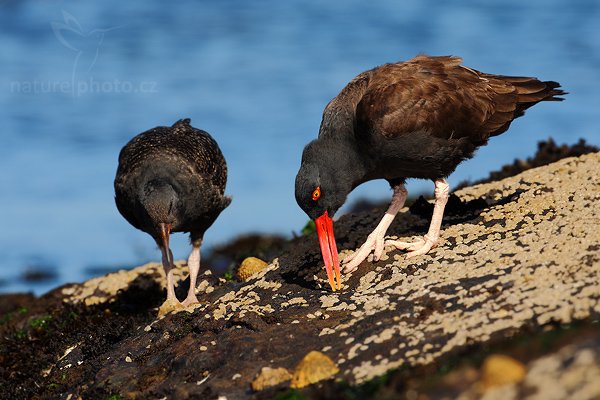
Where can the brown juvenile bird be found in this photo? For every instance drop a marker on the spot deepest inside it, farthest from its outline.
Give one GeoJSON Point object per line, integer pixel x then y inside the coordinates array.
{"type": "Point", "coordinates": [172, 179]}
{"type": "Point", "coordinates": [413, 119]}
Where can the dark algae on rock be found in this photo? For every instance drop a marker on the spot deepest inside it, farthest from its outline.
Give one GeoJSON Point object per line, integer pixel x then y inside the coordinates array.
{"type": "Point", "coordinates": [519, 278]}
{"type": "Point", "coordinates": [38, 335]}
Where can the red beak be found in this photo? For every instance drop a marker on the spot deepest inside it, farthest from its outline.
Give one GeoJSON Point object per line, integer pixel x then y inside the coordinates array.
{"type": "Point", "coordinates": [329, 249]}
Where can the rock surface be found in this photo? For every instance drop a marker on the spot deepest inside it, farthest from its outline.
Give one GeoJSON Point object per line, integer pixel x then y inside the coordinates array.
{"type": "Point", "coordinates": [572, 372]}
{"type": "Point", "coordinates": [522, 255]}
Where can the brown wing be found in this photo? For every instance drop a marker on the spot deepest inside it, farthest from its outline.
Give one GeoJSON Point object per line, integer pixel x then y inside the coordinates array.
{"type": "Point", "coordinates": [445, 99]}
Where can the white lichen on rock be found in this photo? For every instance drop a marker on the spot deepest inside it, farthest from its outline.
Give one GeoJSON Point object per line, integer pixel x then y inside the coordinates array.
{"type": "Point", "coordinates": [104, 289]}
{"type": "Point", "coordinates": [531, 258]}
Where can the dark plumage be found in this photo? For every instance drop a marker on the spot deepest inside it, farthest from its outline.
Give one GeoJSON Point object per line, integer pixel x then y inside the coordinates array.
{"type": "Point", "coordinates": [172, 179]}
{"type": "Point", "coordinates": [414, 119]}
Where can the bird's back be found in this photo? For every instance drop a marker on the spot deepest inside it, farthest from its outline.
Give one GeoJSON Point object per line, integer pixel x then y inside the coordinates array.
{"type": "Point", "coordinates": [186, 158]}
{"type": "Point", "coordinates": [181, 143]}
{"type": "Point", "coordinates": [439, 95]}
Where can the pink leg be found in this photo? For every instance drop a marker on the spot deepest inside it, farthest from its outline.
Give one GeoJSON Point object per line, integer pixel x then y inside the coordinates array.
{"type": "Point", "coordinates": [430, 240]}
{"type": "Point", "coordinates": [169, 273]}
{"type": "Point", "coordinates": [375, 241]}
{"type": "Point", "coordinates": [194, 266]}
{"type": "Point", "coordinates": [171, 304]}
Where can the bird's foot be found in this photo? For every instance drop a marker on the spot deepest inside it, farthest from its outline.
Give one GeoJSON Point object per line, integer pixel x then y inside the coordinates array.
{"type": "Point", "coordinates": [374, 243]}
{"type": "Point", "coordinates": [190, 300]}
{"type": "Point", "coordinates": [417, 248]}
{"type": "Point", "coordinates": [170, 306]}
{"type": "Point", "coordinates": [376, 240]}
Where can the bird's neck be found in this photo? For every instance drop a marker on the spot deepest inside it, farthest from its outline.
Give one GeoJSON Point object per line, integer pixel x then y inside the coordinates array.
{"type": "Point", "coordinates": [338, 122]}
{"type": "Point", "coordinates": [350, 167]}
{"type": "Point", "coordinates": [339, 117]}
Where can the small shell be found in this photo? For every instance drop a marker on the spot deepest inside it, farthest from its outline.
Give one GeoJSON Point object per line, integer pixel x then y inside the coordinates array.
{"type": "Point", "coordinates": [249, 267]}
{"type": "Point", "coordinates": [268, 377]}
{"type": "Point", "coordinates": [314, 367]}
{"type": "Point", "coordinates": [501, 370]}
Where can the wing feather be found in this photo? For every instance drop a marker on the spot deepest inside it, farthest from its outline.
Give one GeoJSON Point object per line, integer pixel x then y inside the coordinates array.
{"type": "Point", "coordinates": [439, 96]}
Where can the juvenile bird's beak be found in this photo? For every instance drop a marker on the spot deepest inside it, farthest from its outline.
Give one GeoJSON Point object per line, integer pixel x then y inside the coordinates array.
{"type": "Point", "coordinates": [329, 249]}
{"type": "Point", "coordinates": [165, 232]}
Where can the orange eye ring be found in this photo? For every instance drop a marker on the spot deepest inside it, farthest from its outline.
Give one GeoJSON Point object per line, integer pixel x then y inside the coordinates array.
{"type": "Point", "coordinates": [316, 193]}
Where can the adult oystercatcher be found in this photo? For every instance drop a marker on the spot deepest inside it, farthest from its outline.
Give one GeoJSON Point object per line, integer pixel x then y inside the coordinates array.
{"type": "Point", "coordinates": [172, 179]}
{"type": "Point", "coordinates": [413, 119]}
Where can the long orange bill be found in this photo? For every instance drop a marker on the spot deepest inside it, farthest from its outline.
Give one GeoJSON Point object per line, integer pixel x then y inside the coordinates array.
{"type": "Point", "coordinates": [165, 232]}
{"type": "Point", "coordinates": [329, 250]}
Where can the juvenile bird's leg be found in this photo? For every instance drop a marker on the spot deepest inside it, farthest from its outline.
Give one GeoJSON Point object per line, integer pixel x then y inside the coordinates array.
{"type": "Point", "coordinates": [168, 266]}
{"type": "Point", "coordinates": [194, 266]}
{"type": "Point", "coordinates": [430, 240]}
{"type": "Point", "coordinates": [375, 241]}
{"type": "Point", "coordinates": [171, 304]}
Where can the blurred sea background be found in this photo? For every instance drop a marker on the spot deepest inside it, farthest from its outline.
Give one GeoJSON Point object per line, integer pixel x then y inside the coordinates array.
{"type": "Point", "coordinates": [79, 79]}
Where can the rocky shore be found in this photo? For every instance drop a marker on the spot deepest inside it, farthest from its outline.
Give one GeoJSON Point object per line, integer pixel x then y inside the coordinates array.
{"type": "Point", "coordinates": [506, 307]}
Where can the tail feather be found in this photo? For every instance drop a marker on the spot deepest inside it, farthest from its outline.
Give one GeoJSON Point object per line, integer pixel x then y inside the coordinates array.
{"type": "Point", "coordinates": [524, 93]}
{"type": "Point", "coordinates": [540, 90]}
{"type": "Point", "coordinates": [529, 94]}
{"type": "Point", "coordinates": [534, 90]}
{"type": "Point", "coordinates": [529, 87]}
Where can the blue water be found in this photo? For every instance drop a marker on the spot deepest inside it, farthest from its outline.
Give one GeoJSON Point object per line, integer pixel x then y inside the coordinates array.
{"type": "Point", "coordinates": [78, 79]}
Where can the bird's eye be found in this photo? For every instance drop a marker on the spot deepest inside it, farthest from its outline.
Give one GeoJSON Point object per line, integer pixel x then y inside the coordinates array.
{"type": "Point", "coordinates": [316, 193]}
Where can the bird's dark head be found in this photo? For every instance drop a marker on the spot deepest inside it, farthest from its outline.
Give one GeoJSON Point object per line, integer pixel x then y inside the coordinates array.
{"type": "Point", "coordinates": [161, 202]}
{"type": "Point", "coordinates": [163, 207]}
{"type": "Point", "coordinates": [322, 184]}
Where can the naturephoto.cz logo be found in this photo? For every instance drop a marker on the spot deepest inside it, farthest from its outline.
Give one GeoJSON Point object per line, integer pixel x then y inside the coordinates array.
{"type": "Point", "coordinates": [85, 45]}
{"type": "Point", "coordinates": [80, 87]}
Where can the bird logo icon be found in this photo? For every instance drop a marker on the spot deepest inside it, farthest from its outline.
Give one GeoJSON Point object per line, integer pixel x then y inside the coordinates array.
{"type": "Point", "coordinates": [85, 44]}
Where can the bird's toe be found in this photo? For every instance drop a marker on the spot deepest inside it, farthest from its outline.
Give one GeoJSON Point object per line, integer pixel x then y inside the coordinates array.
{"type": "Point", "coordinates": [419, 252]}
{"type": "Point", "coordinates": [170, 306]}
{"type": "Point", "coordinates": [351, 264]}
{"type": "Point", "coordinates": [349, 268]}
{"type": "Point", "coordinates": [379, 245]}
{"type": "Point", "coordinates": [410, 246]}
{"type": "Point", "coordinates": [419, 247]}
{"type": "Point", "coordinates": [375, 243]}
{"type": "Point", "coordinates": [359, 256]}
{"type": "Point", "coordinates": [349, 258]}
{"type": "Point", "coordinates": [190, 300]}
{"type": "Point", "coordinates": [422, 247]}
